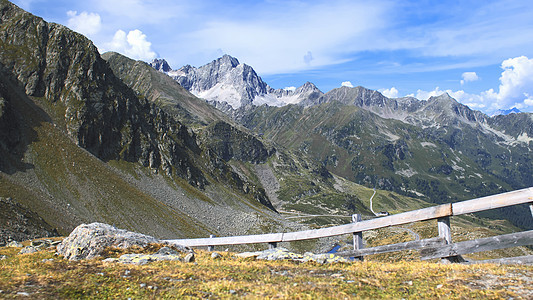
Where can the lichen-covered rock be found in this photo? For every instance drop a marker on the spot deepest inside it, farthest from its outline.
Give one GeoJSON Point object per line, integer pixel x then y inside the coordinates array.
{"type": "Point", "coordinates": [142, 259]}
{"type": "Point", "coordinates": [29, 249]}
{"type": "Point", "coordinates": [14, 244]}
{"type": "Point", "coordinates": [90, 240]}
{"type": "Point", "coordinates": [282, 253]}
{"type": "Point", "coordinates": [189, 258]}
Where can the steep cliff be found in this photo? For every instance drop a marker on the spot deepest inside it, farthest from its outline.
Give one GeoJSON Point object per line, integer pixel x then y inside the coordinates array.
{"type": "Point", "coordinates": [78, 144]}
{"type": "Point", "coordinates": [64, 70]}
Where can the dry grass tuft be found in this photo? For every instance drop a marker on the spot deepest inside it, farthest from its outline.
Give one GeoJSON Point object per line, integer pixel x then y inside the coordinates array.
{"type": "Point", "coordinates": [44, 275]}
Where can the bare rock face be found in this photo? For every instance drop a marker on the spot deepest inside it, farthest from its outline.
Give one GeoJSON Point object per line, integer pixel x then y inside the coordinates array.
{"type": "Point", "coordinates": [160, 65]}
{"type": "Point", "coordinates": [63, 71]}
{"type": "Point", "coordinates": [229, 142]}
{"type": "Point", "coordinates": [90, 240]}
{"type": "Point", "coordinates": [226, 81]}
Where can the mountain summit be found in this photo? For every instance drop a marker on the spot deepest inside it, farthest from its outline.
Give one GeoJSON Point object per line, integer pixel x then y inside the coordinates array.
{"type": "Point", "coordinates": [227, 80]}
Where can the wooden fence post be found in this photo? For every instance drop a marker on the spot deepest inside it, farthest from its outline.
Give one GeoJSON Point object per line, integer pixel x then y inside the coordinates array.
{"type": "Point", "coordinates": [211, 248]}
{"type": "Point", "coordinates": [272, 245]}
{"type": "Point", "coordinates": [531, 208]}
{"type": "Point", "coordinates": [357, 236]}
{"type": "Point", "coordinates": [445, 232]}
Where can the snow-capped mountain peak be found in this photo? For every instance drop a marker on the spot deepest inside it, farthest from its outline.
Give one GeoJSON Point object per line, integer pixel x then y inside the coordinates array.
{"type": "Point", "coordinates": [160, 65]}
{"type": "Point", "coordinates": [227, 80]}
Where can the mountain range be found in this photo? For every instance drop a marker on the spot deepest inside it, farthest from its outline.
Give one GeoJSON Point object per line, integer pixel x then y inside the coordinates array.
{"type": "Point", "coordinates": [437, 149]}
{"type": "Point", "coordinates": [229, 82]}
{"type": "Point", "coordinates": [78, 144]}
{"type": "Point", "coordinates": [86, 137]}
{"type": "Point", "coordinates": [513, 110]}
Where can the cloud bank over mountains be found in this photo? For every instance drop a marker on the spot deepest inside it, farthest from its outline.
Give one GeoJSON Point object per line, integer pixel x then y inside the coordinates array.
{"type": "Point", "coordinates": [515, 89]}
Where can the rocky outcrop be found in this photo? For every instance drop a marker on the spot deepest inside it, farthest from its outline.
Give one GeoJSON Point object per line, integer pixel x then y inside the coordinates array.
{"type": "Point", "coordinates": [219, 142]}
{"type": "Point", "coordinates": [160, 65]}
{"type": "Point", "coordinates": [64, 70]}
{"type": "Point", "coordinates": [90, 240]}
{"type": "Point", "coordinates": [226, 80]}
{"type": "Point", "coordinates": [284, 254]}
{"type": "Point", "coordinates": [230, 143]}
{"type": "Point", "coordinates": [163, 254]}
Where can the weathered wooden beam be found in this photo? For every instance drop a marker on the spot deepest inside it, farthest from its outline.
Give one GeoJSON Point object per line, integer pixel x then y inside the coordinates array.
{"type": "Point", "coordinates": [394, 247]}
{"type": "Point", "coordinates": [398, 219]}
{"type": "Point", "coordinates": [495, 201]}
{"type": "Point", "coordinates": [485, 244]}
{"type": "Point", "coordinates": [520, 260]}
{"type": "Point", "coordinates": [445, 210]}
{"type": "Point", "coordinates": [392, 220]}
{"type": "Point", "coordinates": [231, 240]}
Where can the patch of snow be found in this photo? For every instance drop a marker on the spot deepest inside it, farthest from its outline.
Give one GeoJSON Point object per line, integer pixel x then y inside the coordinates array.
{"type": "Point", "coordinates": [273, 100]}
{"type": "Point", "coordinates": [290, 88]}
{"type": "Point", "coordinates": [428, 144]}
{"type": "Point", "coordinates": [456, 167]}
{"type": "Point", "coordinates": [392, 137]}
{"type": "Point", "coordinates": [406, 172]}
{"type": "Point", "coordinates": [416, 193]}
{"type": "Point", "coordinates": [221, 93]}
{"type": "Point", "coordinates": [524, 138]}
{"type": "Point", "coordinates": [175, 73]}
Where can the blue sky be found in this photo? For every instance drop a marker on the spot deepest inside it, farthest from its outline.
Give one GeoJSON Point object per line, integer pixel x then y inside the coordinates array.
{"type": "Point", "coordinates": [480, 52]}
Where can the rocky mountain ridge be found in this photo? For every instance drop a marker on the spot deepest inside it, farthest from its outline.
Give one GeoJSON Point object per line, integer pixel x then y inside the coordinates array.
{"type": "Point", "coordinates": [235, 88]}
{"type": "Point", "coordinates": [226, 80]}
{"type": "Point", "coordinates": [513, 110]}
{"type": "Point", "coordinates": [442, 152]}
{"type": "Point", "coordinates": [75, 139]}
{"type": "Point", "coordinates": [89, 138]}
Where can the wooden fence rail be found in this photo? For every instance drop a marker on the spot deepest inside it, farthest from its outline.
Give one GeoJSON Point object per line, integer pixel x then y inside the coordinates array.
{"type": "Point", "coordinates": [431, 248]}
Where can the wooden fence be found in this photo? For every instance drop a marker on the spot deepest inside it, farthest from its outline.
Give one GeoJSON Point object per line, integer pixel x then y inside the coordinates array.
{"type": "Point", "coordinates": [439, 247]}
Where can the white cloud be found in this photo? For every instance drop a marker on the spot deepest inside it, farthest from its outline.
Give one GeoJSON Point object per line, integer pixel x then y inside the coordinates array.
{"type": "Point", "coordinates": [389, 93]}
{"type": "Point", "coordinates": [516, 81]}
{"type": "Point", "coordinates": [84, 23]}
{"type": "Point", "coordinates": [134, 45]}
{"type": "Point", "coordinates": [529, 100]}
{"type": "Point", "coordinates": [424, 95]}
{"type": "Point", "coordinates": [286, 36]}
{"type": "Point", "coordinates": [469, 76]}
{"type": "Point", "coordinates": [347, 83]}
{"type": "Point", "coordinates": [515, 90]}
{"type": "Point", "coordinates": [516, 86]}
{"type": "Point", "coordinates": [308, 57]}
{"type": "Point", "coordinates": [290, 88]}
